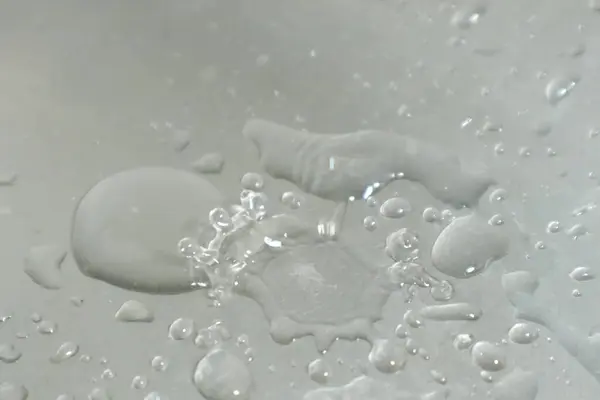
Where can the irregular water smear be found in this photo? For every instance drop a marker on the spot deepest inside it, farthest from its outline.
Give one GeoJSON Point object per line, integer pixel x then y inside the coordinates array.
{"type": "Point", "coordinates": [517, 385]}
{"type": "Point", "coordinates": [367, 388]}
{"type": "Point", "coordinates": [343, 166]}
{"type": "Point", "coordinates": [520, 290]}
{"type": "Point", "coordinates": [43, 266]}
{"type": "Point", "coordinates": [124, 228]}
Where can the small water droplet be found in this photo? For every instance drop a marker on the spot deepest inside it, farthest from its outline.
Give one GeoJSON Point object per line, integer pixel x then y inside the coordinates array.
{"type": "Point", "coordinates": [370, 223]}
{"type": "Point", "coordinates": [488, 356]}
{"type": "Point", "coordinates": [291, 200]}
{"type": "Point", "coordinates": [9, 353]}
{"type": "Point", "coordinates": [463, 341]}
{"type": "Point", "coordinates": [64, 352]}
{"type": "Point", "coordinates": [387, 356]}
{"type": "Point", "coordinates": [319, 371]}
{"type": "Point", "coordinates": [139, 382]}
{"type": "Point", "coordinates": [431, 215]}
{"type": "Point", "coordinates": [396, 207]}
{"type": "Point", "coordinates": [252, 181]}
{"type": "Point", "coordinates": [182, 328]}
{"type": "Point", "coordinates": [553, 227]}
{"type": "Point", "coordinates": [159, 363]}
{"type": "Point", "coordinates": [582, 274]}
{"type": "Point", "coordinates": [523, 333]}
{"type": "Point", "coordinates": [12, 391]}
{"type": "Point", "coordinates": [559, 88]}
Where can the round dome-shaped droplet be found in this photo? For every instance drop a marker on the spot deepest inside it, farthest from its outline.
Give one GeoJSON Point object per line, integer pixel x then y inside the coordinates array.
{"type": "Point", "coordinates": [387, 356]}
{"type": "Point", "coordinates": [291, 200]}
{"type": "Point", "coordinates": [467, 246]}
{"type": "Point", "coordinates": [319, 371]}
{"type": "Point", "coordinates": [253, 181]}
{"type": "Point", "coordinates": [582, 274]}
{"type": "Point", "coordinates": [220, 219]}
{"type": "Point", "coordinates": [523, 333]}
{"type": "Point", "coordinates": [182, 328]}
{"type": "Point", "coordinates": [488, 356]}
{"type": "Point", "coordinates": [126, 229]}
{"type": "Point", "coordinates": [431, 215]}
{"type": "Point", "coordinates": [222, 376]}
{"type": "Point", "coordinates": [396, 207]}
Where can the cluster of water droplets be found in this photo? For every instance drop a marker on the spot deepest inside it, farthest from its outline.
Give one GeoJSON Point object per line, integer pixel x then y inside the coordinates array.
{"type": "Point", "coordinates": [219, 259]}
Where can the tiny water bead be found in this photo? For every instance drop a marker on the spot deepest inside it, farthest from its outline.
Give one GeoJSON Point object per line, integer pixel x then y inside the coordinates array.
{"type": "Point", "coordinates": [46, 327]}
{"type": "Point", "coordinates": [463, 341]}
{"type": "Point", "coordinates": [488, 356]}
{"type": "Point", "coordinates": [139, 382]}
{"type": "Point", "coordinates": [319, 371]}
{"type": "Point", "coordinates": [182, 328]}
{"type": "Point", "coordinates": [252, 181]}
{"type": "Point", "coordinates": [498, 195]}
{"type": "Point", "coordinates": [523, 333]}
{"type": "Point", "coordinates": [496, 220]}
{"type": "Point", "coordinates": [431, 215]}
{"type": "Point", "coordinates": [559, 88]}
{"type": "Point", "coordinates": [395, 207]}
{"type": "Point", "coordinates": [553, 227]}
{"type": "Point", "coordinates": [370, 223]}
{"type": "Point", "coordinates": [159, 363]}
{"type": "Point", "coordinates": [291, 200]}
{"type": "Point", "coordinates": [64, 352]}
{"type": "Point", "coordinates": [387, 356]}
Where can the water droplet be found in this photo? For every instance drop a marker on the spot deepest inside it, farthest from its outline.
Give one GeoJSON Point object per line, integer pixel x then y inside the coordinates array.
{"type": "Point", "coordinates": [576, 293]}
{"type": "Point", "coordinates": [12, 391]}
{"type": "Point", "coordinates": [139, 382]}
{"type": "Point", "coordinates": [431, 215]}
{"type": "Point", "coordinates": [36, 317]}
{"type": "Point", "coordinates": [469, 15]}
{"type": "Point", "coordinates": [488, 356]}
{"type": "Point", "coordinates": [222, 376]}
{"type": "Point", "coordinates": [486, 376]}
{"type": "Point", "coordinates": [43, 266]}
{"type": "Point", "coordinates": [99, 394]}
{"type": "Point", "coordinates": [451, 312]}
{"type": "Point", "coordinates": [463, 341]}
{"type": "Point", "coordinates": [291, 200]}
{"type": "Point", "coordinates": [182, 328]}
{"type": "Point", "coordinates": [396, 207]}
{"type": "Point", "coordinates": [467, 246]}
{"type": "Point", "coordinates": [107, 374]}
{"type": "Point", "coordinates": [401, 332]}
{"type": "Point", "coordinates": [442, 291]}
{"type": "Point", "coordinates": [131, 205]}
{"type": "Point", "coordinates": [498, 195]}
{"type": "Point", "coordinates": [64, 352]}
{"type": "Point", "coordinates": [370, 223]}
{"type": "Point", "coordinates": [319, 371]}
{"type": "Point", "coordinates": [438, 377]}
{"type": "Point", "coordinates": [387, 356]}
{"type": "Point", "coordinates": [211, 163]}
{"type": "Point", "coordinates": [411, 318]}
{"type": "Point", "coordinates": [523, 333]}
{"type": "Point", "coordinates": [46, 327]}
{"type": "Point", "coordinates": [524, 152]}
{"type": "Point", "coordinates": [496, 220]}
{"type": "Point", "coordinates": [401, 244]}
{"type": "Point", "coordinates": [553, 227]}
{"type": "Point", "coordinates": [576, 231]}
{"type": "Point", "coordinates": [499, 148]}
{"type": "Point", "coordinates": [9, 353]}
{"type": "Point", "coordinates": [134, 311]}
{"type": "Point", "coordinates": [180, 140]}
{"type": "Point", "coordinates": [559, 88]}
{"type": "Point", "coordinates": [159, 363]}
{"type": "Point", "coordinates": [252, 181]}
{"type": "Point", "coordinates": [582, 274]}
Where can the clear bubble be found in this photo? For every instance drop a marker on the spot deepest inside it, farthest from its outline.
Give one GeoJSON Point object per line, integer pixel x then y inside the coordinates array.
{"type": "Point", "coordinates": [255, 203]}
{"type": "Point", "coordinates": [463, 341]}
{"type": "Point", "coordinates": [220, 219]}
{"type": "Point", "coordinates": [188, 247]}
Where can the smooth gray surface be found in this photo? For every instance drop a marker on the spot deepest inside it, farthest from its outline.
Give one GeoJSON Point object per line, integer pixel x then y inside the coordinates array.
{"type": "Point", "coordinates": [90, 88]}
